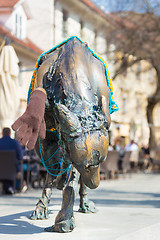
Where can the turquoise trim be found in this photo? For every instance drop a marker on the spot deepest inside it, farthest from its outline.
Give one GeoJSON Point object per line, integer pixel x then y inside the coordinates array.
{"type": "Point", "coordinates": [111, 102]}
{"type": "Point", "coordinates": [52, 154]}
{"type": "Point", "coordinates": [48, 167]}
{"type": "Point", "coordinates": [113, 107]}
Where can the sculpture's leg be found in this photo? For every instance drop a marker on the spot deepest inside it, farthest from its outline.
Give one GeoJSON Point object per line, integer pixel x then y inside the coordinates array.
{"type": "Point", "coordinates": [86, 206]}
{"type": "Point", "coordinates": [41, 211]}
{"type": "Point", "coordinates": [48, 147]}
{"type": "Point", "coordinates": [61, 179]}
{"type": "Point", "coordinates": [64, 221]}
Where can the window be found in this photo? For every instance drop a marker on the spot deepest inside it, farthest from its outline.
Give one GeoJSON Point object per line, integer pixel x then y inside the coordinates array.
{"type": "Point", "coordinates": [21, 77]}
{"type": "Point", "coordinates": [95, 41]}
{"type": "Point", "coordinates": [151, 76]}
{"type": "Point", "coordinates": [139, 71]}
{"type": "Point", "coordinates": [81, 29]}
{"type": "Point", "coordinates": [124, 104]}
{"type": "Point", "coordinates": [125, 73]}
{"type": "Point", "coordinates": [18, 26]}
{"type": "Point", "coordinates": [138, 107]}
{"type": "Point", "coordinates": [65, 23]}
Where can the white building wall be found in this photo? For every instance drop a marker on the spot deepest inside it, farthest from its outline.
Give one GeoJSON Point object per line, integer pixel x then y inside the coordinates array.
{"type": "Point", "coordinates": [75, 16]}
{"type": "Point", "coordinates": [3, 18]}
{"type": "Point", "coordinates": [74, 25]}
{"type": "Point", "coordinates": [101, 44]}
{"type": "Point", "coordinates": [44, 18]}
{"type": "Point", "coordinates": [19, 11]}
{"type": "Point", "coordinates": [89, 35]}
{"type": "Point", "coordinates": [58, 24]}
{"type": "Point", "coordinates": [40, 26]}
{"type": "Point", "coordinates": [9, 21]}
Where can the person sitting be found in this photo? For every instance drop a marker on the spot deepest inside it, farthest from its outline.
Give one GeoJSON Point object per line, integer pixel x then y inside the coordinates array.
{"type": "Point", "coordinates": [9, 144]}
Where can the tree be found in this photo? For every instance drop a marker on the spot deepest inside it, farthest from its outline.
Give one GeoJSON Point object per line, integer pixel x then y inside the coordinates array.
{"type": "Point", "coordinates": [138, 34]}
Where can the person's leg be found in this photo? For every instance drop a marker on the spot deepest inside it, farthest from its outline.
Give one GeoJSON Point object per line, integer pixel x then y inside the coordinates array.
{"type": "Point", "coordinates": [8, 187]}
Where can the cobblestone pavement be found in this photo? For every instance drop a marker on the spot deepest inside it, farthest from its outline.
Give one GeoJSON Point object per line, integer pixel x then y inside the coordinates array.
{"type": "Point", "coordinates": [128, 209]}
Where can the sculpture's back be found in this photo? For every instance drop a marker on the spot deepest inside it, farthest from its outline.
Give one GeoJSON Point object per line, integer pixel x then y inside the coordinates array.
{"type": "Point", "coordinates": [70, 88]}
{"type": "Point", "coordinates": [78, 96]}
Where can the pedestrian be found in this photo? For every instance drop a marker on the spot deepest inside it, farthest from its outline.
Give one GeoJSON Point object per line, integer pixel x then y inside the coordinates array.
{"type": "Point", "coordinates": [133, 147]}
{"type": "Point", "coordinates": [110, 147]}
{"type": "Point", "coordinates": [120, 148]}
{"type": "Point", "coordinates": [148, 161]}
{"type": "Point", "coordinates": [9, 144]}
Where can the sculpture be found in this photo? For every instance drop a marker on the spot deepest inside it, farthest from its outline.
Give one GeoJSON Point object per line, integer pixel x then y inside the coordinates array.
{"type": "Point", "coordinates": [42, 211]}
{"type": "Point", "coordinates": [77, 117]}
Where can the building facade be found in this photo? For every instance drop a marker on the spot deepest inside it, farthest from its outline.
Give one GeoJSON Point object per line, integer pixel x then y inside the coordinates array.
{"type": "Point", "coordinates": [132, 91]}
{"type": "Point", "coordinates": [47, 23]}
{"type": "Point", "coordinates": [13, 28]}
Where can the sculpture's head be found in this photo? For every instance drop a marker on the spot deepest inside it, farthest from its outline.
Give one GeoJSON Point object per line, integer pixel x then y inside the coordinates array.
{"type": "Point", "coordinates": [79, 100]}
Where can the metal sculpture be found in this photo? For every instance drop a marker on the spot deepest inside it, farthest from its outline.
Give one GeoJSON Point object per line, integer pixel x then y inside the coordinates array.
{"type": "Point", "coordinates": [42, 211]}
{"type": "Point", "coordinates": [77, 116]}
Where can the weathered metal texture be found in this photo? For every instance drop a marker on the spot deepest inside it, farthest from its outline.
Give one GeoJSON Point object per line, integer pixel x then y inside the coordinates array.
{"type": "Point", "coordinates": [42, 211]}
{"type": "Point", "coordinates": [77, 106]}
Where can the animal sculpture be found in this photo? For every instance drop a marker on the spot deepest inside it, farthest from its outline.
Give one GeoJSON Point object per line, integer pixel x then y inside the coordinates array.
{"type": "Point", "coordinates": [71, 96]}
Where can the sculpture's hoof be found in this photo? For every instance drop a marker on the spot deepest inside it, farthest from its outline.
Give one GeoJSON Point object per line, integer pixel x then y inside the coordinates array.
{"type": "Point", "coordinates": [63, 226]}
{"type": "Point", "coordinates": [39, 214]}
{"type": "Point", "coordinates": [88, 207]}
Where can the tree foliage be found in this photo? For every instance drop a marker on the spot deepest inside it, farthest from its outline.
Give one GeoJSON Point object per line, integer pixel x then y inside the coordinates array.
{"type": "Point", "coordinates": [138, 34]}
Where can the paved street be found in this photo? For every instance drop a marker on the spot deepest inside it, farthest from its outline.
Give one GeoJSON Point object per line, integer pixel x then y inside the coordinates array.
{"type": "Point", "coordinates": [128, 209]}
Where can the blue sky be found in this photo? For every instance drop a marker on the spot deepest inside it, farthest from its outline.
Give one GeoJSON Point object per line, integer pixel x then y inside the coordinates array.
{"type": "Point", "coordinates": [127, 5]}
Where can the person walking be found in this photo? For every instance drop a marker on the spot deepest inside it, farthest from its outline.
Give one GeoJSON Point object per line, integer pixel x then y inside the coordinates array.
{"type": "Point", "coordinates": [133, 147]}
{"type": "Point", "coordinates": [9, 144]}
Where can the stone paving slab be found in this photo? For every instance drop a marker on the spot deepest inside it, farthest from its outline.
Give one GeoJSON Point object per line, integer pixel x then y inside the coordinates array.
{"type": "Point", "coordinates": [128, 209]}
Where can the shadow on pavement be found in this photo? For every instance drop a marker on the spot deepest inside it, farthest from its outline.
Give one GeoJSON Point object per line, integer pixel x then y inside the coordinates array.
{"type": "Point", "coordinates": [15, 224]}
{"type": "Point", "coordinates": [126, 203]}
{"type": "Point", "coordinates": [126, 198]}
